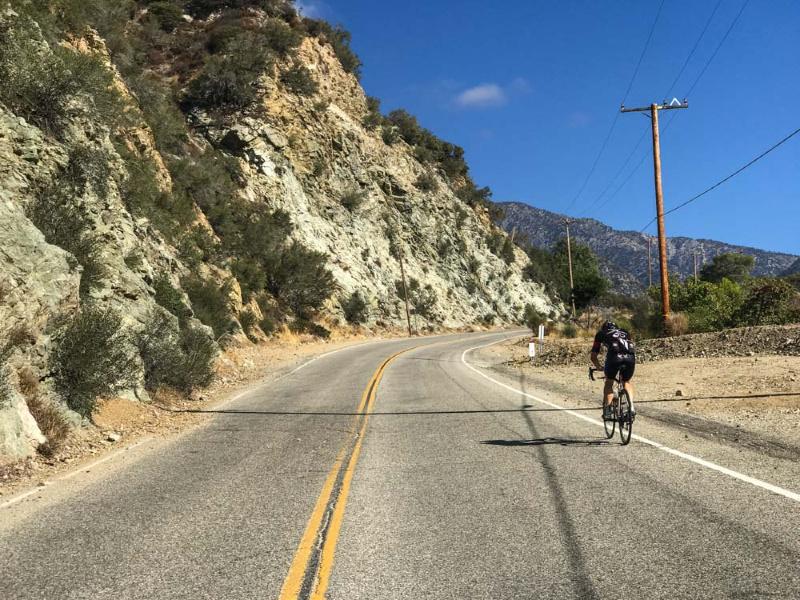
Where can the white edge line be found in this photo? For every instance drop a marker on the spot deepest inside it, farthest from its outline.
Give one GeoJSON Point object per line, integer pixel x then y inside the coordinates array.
{"type": "Point", "coordinates": [69, 475]}
{"type": "Point", "coordinates": [689, 457]}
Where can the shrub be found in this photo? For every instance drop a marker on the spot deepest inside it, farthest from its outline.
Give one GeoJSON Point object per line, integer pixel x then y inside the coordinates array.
{"type": "Point", "coordinates": [308, 326]}
{"type": "Point", "coordinates": [352, 199]}
{"type": "Point", "coordinates": [52, 423]}
{"type": "Point", "coordinates": [339, 39]}
{"type": "Point", "coordinates": [569, 330]}
{"type": "Point", "coordinates": [389, 135]}
{"type": "Point", "coordinates": [300, 280]}
{"type": "Point", "coordinates": [41, 83]}
{"type": "Point", "coordinates": [298, 79]}
{"type": "Point", "coordinates": [280, 37]}
{"type": "Point", "coordinates": [677, 324]}
{"type": "Point", "coordinates": [427, 183]}
{"type": "Point", "coordinates": [249, 322]}
{"type": "Point", "coordinates": [229, 78]}
{"type": "Point", "coordinates": [64, 224]}
{"type": "Point", "coordinates": [768, 302]}
{"type": "Point", "coordinates": [373, 118]}
{"type": "Point", "coordinates": [168, 15]}
{"type": "Point", "coordinates": [91, 358]}
{"type": "Point", "coordinates": [532, 317]}
{"type": "Point", "coordinates": [355, 309]}
{"type": "Point", "coordinates": [169, 297]}
{"type": "Point", "coordinates": [210, 304]}
{"type": "Point", "coordinates": [735, 267]}
{"type": "Point", "coordinates": [179, 358]}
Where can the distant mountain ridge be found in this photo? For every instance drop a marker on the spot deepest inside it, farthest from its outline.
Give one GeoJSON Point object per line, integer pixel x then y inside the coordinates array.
{"type": "Point", "coordinates": [623, 254]}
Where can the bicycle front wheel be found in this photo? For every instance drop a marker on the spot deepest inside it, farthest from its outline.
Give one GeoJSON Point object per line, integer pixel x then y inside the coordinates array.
{"type": "Point", "coordinates": [625, 417]}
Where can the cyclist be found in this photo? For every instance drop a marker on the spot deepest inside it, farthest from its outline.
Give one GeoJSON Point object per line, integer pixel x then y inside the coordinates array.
{"type": "Point", "coordinates": [620, 358]}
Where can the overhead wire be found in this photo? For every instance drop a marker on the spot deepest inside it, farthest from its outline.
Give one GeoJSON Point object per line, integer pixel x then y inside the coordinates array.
{"type": "Point", "coordinates": [728, 178]}
{"type": "Point", "coordinates": [644, 133]}
{"type": "Point", "coordinates": [616, 116]}
{"type": "Point", "coordinates": [688, 93]}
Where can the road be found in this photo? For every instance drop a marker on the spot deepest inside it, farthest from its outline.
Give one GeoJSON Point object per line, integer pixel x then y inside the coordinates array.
{"type": "Point", "coordinates": [454, 486]}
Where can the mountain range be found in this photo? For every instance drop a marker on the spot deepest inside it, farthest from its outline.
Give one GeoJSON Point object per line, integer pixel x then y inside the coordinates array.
{"type": "Point", "coordinates": [624, 254]}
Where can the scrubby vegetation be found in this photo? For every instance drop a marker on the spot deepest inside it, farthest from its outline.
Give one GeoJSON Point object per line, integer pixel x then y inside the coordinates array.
{"type": "Point", "coordinates": [551, 268]}
{"type": "Point", "coordinates": [91, 358]}
{"type": "Point", "coordinates": [355, 309]}
{"type": "Point", "coordinates": [724, 296]}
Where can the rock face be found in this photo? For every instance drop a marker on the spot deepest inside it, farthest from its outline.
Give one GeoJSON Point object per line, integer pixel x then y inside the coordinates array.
{"type": "Point", "coordinates": [624, 253]}
{"type": "Point", "coordinates": [304, 155]}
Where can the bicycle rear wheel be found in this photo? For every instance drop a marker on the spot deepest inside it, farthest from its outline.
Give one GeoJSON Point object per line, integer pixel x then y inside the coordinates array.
{"type": "Point", "coordinates": [609, 427]}
{"type": "Point", "coordinates": [625, 417]}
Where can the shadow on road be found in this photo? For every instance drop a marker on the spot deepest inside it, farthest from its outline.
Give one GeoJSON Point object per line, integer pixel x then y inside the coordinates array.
{"type": "Point", "coordinates": [548, 441]}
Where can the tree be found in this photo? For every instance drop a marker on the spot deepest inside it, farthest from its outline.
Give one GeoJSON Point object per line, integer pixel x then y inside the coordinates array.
{"type": "Point", "coordinates": [589, 284]}
{"type": "Point", "coordinates": [735, 267]}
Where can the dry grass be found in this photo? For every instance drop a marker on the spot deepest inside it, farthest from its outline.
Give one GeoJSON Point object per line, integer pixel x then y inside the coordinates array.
{"type": "Point", "coordinates": [677, 324]}
{"type": "Point", "coordinates": [51, 422]}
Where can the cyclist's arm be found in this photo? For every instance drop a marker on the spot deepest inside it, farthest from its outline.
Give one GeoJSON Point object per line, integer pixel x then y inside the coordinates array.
{"type": "Point", "coordinates": [595, 350]}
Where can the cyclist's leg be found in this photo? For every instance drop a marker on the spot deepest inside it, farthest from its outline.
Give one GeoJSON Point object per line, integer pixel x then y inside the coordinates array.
{"type": "Point", "coordinates": [610, 371]}
{"type": "Point", "coordinates": [626, 373]}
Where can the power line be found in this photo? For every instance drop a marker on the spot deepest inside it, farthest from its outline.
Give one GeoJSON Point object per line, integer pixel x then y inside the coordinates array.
{"type": "Point", "coordinates": [644, 134]}
{"type": "Point", "coordinates": [694, 48]}
{"type": "Point", "coordinates": [694, 84]}
{"type": "Point", "coordinates": [716, 50]}
{"type": "Point", "coordinates": [616, 116]}
{"type": "Point", "coordinates": [729, 177]}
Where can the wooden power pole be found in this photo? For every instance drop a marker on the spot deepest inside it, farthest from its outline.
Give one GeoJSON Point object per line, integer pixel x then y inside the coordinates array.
{"type": "Point", "coordinates": [662, 236]}
{"type": "Point", "coordinates": [569, 260]}
{"type": "Point", "coordinates": [694, 253]}
{"type": "Point", "coordinates": [649, 263]}
{"type": "Point", "coordinates": [405, 292]}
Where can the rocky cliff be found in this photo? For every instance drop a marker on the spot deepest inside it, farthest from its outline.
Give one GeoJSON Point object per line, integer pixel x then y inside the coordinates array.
{"type": "Point", "coordinates": [623, 254]}
{"type": "Point", "coordinates": [140, 176]}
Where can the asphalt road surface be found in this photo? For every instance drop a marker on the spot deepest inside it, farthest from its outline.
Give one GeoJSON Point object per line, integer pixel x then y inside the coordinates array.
{"type": "Point", "coordinates": [370, 474]}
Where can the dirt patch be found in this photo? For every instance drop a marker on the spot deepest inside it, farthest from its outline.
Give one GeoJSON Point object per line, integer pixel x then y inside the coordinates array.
{"type": "Point", "coordinates": [742, 342]}
{"type": "Point", "coordinates": [752, 400]}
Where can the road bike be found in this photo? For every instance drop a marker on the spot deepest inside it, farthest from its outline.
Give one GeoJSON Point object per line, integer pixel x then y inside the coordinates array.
{"type": "Point", "coordinates": [622, 410]}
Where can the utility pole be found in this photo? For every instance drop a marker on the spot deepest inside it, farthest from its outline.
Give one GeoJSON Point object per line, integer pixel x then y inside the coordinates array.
{"type": "Point", "coordinates": [649, 263]}
{"type": "Point", "coordinates": [662, 236]}
{"type": "Point", "coordinates": [405, 292]}
{"type": "Point", "coordinates": [569, 259]}
{"type": "Point", "coordinates": [694, 253]}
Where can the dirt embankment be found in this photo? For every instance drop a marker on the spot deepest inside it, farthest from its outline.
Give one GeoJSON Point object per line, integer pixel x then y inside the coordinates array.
{"type": "Point", "coordinates": [741, 386]}
{"type": "Point", "coordinates": [742, 342]}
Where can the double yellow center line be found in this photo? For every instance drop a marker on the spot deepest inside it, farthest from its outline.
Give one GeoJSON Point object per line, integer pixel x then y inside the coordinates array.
{"type": "Point", "coordinates": [311, 567]}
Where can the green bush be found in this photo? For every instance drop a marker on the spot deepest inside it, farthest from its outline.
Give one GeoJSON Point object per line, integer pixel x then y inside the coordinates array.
{"type": "Point", "coordinates": [229, 78]}
{"type": "Point", "coordinates": [355, 309]}
{"type": "Point", "coordinates": [300, 280]}
{"type": "Point", "coordinates": [280, 37]}
{"type": "Point", "coordinates": [569, 330]}
{"type": "Point", "coordinates": [423, 300]}
{"type": "Point", "coordinates": [65, 225]}
{"type": "Point", "coordinates": [40, 83]}
{"type": "Point", "coordinates": [768, 301]}
{"type": "Point", "coordinates": [168, 16]}
{"type": "Point", "coordinates": [373, 118]}
{"type": "Point", "coordinates": [169, 297]}
{"type": "Point", "coordinates": [426, 183]}
{"type": "Point", "coordinates": [339, 39]}
{"type": "Point", "coordinates": [352, 199]}
{"type": "Point", "coordinates": [211, 304]}
{"type": "Point", "coordinates": [179, 358]}
{"type": "Point", "coordinates": [91, 358]}
{"type": "Point", "coordinates": [249, 322]}
{"type": "Point", "coordinates": [533, 318]}
{"type": "Point", "coordinates": [298, 79]}
{"type": "Point", "coordinates": [735, 267]}
{"type": "Point", "coordinates": [389, 135]}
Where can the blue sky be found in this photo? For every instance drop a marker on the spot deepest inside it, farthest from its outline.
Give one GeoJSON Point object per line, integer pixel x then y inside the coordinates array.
{"type": "Point", "coordinates": [531, 88]}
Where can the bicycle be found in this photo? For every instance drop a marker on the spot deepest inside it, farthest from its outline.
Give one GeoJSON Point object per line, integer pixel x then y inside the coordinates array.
{"type": "Point", "coordinates": [622, 410]}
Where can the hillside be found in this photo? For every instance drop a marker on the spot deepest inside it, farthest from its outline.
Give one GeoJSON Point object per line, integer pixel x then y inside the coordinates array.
{"type": "Point", "coordinates": [198, 174]}
{"type": "Point", "coordinates": [623, 254]}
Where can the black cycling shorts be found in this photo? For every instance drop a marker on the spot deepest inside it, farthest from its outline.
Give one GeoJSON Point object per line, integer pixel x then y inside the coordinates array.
{"type": "Point", "coordinates": [624, 364]}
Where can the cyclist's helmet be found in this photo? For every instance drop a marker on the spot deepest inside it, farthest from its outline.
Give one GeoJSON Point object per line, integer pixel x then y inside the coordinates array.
{"type": "Point", "coordinates": [609, 326]}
